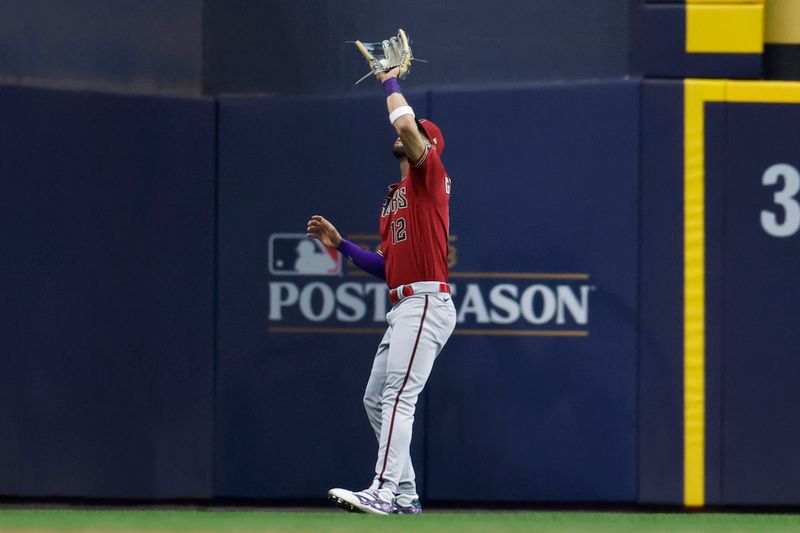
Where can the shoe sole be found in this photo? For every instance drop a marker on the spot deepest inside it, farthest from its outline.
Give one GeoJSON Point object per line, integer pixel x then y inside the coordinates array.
{"type": "Point", "coordinates": [344, 504]}
{"type": "Point", "coordinates": [351, 507]}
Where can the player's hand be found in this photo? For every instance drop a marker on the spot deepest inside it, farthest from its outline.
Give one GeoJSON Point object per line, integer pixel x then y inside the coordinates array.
{"type": "Point", "coordinates": [321, 229]}
{"type": "Point", "coordinates": [393, 73]}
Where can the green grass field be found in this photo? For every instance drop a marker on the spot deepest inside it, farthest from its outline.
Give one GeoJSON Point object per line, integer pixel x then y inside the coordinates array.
{"type": "Point", "coordinates": [47, 520]}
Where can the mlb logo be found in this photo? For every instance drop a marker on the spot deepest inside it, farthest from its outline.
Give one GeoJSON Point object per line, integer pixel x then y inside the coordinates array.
{"type": "Point", "coordinates": [294, 254]}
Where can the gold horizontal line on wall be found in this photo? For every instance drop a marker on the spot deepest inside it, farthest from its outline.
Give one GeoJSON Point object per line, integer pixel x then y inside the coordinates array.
{"type": "Point", "coordinates": [339, 330]}
{"type": "Point", "coordinates": [725, 2]}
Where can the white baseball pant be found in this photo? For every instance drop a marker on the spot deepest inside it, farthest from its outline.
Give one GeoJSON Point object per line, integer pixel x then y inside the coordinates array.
{"type": "Point", "coordinates": [419, 326]}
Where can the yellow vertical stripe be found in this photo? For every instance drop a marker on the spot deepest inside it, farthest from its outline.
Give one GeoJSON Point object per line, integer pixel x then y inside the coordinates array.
{"type": "Point", "coordinates": [725, 28]}
{"type": "Point", "coordinates": [696, 93]}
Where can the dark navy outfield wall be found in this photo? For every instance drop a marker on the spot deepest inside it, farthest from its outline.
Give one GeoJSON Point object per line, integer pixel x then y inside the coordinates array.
{"type": "Point", "coordinates": [546, 181]}
{"type": "Point", "coordinates": [107, 269]}
{"type": "Point", "coordinates": [110, 387]}
{"type": "Point", "coordinates": [750, 424]}
{"type": "Point", "coordinates": [126, 167]}
{"type": "Point", "coordinates": [288, 406]}
{"type": "Point", "coordinates": [166, 332]}
{"type": "Point", "coordinates": [661, 294]}
{"type": "Point", "coordinates": [544, 203]}
{"type": "Point", "coordinates": [753, 302]}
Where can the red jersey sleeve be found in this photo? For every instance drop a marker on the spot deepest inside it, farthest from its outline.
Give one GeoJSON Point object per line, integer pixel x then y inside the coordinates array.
{"type": "Point", "coordinates": [430, 173]}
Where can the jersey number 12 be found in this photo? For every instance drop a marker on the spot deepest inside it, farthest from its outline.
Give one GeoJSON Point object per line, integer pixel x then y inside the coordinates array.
{"type": "Point", "coordinates": [398, 229]}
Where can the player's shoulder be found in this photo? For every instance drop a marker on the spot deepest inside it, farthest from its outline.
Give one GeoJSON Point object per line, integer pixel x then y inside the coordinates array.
{"type": "Point", "coordinates": [430, 161]}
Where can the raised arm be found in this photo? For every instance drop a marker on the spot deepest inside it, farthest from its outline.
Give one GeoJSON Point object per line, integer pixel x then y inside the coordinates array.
{"type": "Point", "coordinates": [404, 122]}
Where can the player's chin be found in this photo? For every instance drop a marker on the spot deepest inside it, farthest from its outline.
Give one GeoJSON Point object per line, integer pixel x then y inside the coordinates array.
{"type": "Point", "coordinates": [399, 151]}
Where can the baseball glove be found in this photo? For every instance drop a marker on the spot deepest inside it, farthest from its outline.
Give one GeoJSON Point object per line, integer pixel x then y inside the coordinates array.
{"type": "Point", "coordinates": [387, 54]}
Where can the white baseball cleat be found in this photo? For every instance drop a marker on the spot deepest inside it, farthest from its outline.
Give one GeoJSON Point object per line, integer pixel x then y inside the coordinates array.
{"type": "Point", "coordinates": [374, 501]}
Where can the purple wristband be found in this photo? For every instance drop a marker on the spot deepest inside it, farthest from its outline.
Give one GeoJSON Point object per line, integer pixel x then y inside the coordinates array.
{"type": "Point", "coordinates": [391, 86]}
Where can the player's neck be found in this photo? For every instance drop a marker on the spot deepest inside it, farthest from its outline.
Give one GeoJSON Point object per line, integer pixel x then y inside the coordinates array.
{"type": "Point", "coordinates": [404, 166]}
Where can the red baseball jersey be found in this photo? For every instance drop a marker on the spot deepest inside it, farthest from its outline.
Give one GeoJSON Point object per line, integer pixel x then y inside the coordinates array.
{"type": "Point", "coordinates": [415, 224]}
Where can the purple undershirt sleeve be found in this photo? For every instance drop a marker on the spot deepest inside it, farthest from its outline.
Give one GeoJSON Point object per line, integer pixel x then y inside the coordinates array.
{"type": "Point", "coordinates": [370, 262]}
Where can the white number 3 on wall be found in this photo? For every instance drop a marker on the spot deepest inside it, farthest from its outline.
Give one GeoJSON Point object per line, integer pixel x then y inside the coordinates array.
{"type": "Point", "coordinates": [785, 198]}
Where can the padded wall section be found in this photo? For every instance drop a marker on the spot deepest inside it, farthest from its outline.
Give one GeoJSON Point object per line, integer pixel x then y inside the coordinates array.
{"type": "Point", "coordinates": [739, 414]}
{"type": "Point", "coordinates": [754, 255]}
{"type": "Point", "coordinates": [295, 348]}
{"type": "Point", "coordinates": [543, 360]}
{"type": "Point", "coordinates": [525, 404]}
{"type": "Point", "coordinates": [715, 161]}
{"type": "Point", "coordinates": [661, 295]}
{"type": "Point", "coordinates": [107, 281]}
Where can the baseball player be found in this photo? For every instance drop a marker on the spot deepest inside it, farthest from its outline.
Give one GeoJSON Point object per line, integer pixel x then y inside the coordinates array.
{"type": "Point", "coordinates": [414, 226]}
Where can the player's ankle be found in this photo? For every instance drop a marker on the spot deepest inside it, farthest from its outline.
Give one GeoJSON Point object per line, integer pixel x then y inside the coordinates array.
{"type": "Point", "coordinates": [405, 499]}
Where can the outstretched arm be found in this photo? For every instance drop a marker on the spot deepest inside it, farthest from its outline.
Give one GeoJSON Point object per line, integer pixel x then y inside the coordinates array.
{"type": "Point", "coordinates": [321, 229]}
{"type": "Point", "coordinates": [405, 125]}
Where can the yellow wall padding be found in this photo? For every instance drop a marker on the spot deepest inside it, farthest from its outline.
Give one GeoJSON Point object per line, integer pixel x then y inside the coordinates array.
{"type": "Point", "coordinates": [725, 28]}
{"type": "Point", "coordinates": [782, 24]}
{"type": "Point", "coordinates": [763, 92]}
{"type": "Point", "coordinates": [726, 1]}
{"type": "Point", "coordinates": [696, 94]}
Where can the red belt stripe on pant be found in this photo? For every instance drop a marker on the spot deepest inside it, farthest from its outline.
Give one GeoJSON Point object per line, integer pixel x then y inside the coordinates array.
{"type": "Point", "coordinates": [420, 287]}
